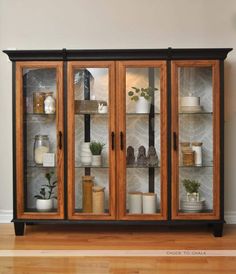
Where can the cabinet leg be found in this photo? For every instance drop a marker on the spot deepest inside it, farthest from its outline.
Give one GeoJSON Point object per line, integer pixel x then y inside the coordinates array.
{"type": "Point", "coordinates": [19, 228]}
{"type": "Point", "coordinates": [218, 230]}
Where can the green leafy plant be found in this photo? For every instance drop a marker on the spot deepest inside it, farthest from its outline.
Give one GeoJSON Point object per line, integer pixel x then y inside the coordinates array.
{"type": "Point", "coordinates": [96, 147]}
{"type": "Point", "coordinates": [191, 186]}
{"type": "Point", "coordinates": [146, 93]}
{"type": "Point", "coordinates": [47, 190]}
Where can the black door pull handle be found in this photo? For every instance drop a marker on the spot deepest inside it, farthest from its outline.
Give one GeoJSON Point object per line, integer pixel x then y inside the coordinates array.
{"type": "Point", "coordinates": [60, 140]}
{"type": "Point", "coordinates": [121, 140]}
{"type": "Point", "coordinates": [112, 140]}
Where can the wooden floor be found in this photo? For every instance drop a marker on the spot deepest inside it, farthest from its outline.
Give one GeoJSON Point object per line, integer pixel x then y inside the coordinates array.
{"type": "Point", "coordinates": [46, 237]}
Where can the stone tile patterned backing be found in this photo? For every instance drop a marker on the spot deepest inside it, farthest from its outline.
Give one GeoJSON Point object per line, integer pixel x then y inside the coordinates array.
{"type": "Point", "coordinates": [42, 80]}
{"type": "Point", "coordinates": [198, 128]}
{"type": "Point", "coordinates": [192, 128]}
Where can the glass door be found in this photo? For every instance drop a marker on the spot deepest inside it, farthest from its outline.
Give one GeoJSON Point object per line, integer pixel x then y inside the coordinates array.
{"type": "Point", "coordinates": [39, 140]}
{"type": "Point", "coordinates": [196, 139]}
{"type": "Point", "coordinates": [142, 139]}
{"type": "Point", "coordinates": [91, 140]}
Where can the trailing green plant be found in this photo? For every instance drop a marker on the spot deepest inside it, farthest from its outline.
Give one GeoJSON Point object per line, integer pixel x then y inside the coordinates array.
{"type": "Point", "coordinates": [191, 186]}
{"type": "Point", "coordinates": [96, 147]}
{"type": "Point", "coordinates": [146, 93]}
{"type": "Point", "coordinates": [47, 190]}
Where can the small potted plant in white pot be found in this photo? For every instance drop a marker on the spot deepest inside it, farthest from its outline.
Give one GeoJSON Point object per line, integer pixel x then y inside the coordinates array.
{"type": "Point", "coordinates": [192, 203]}
{"type": "Point", "coordinates": [96, 150]}
{"type": "Point", "coordinates": [142, 97]}
{"type": "Point", "coordinates": [46, 195]}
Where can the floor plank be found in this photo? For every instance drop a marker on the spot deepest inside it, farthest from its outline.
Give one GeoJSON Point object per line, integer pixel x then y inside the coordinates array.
{"type": "Point", "coordinates": [74, 237]}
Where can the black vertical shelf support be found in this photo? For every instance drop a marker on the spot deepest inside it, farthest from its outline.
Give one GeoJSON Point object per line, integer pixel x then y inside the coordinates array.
{"type": "Point", "coordinates": [151, 132]}
{"type": "Point", "coordinates": [87, 116]}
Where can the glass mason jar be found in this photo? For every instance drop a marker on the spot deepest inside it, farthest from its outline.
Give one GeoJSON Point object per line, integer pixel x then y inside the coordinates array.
{"type": "Point", "coordinates": [41, 146]}
{"type": "Point", "coordinates": [38, 100]}
{"type": "Point", "coordinates": [49, 103]}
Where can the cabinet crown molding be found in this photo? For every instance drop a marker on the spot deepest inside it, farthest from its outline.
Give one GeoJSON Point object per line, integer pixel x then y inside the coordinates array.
{"type": "Point", "coordinates": [118, 54]}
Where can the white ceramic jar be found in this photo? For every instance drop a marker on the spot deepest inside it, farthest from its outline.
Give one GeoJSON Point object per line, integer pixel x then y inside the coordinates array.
{"type": "Point", "coordinates": [197, 148]}
{"type": "Point", "coordinates": [49, 103]}
{"type": "Point", "coordinates": [86, 155]}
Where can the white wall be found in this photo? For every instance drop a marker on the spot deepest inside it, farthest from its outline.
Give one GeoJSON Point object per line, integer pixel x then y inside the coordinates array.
{"type": "Point", "coordinates": [79, 24]}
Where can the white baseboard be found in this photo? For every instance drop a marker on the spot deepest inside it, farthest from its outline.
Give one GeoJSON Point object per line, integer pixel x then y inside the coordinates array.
{"type": "Point", "coordinates": [7, 215]}
{"type": "Point", "coordinates": [230, 217]}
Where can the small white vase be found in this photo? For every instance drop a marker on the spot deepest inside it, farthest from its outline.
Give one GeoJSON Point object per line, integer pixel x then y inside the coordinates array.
{"type": "Point", "coordinates": [96, 160]}
{"type": "Point", "coordinates": [44, 205]}
{"type": "Point", "coordinates": [86, 156]}
{"type": "Point", "coordinates": [142, 105]}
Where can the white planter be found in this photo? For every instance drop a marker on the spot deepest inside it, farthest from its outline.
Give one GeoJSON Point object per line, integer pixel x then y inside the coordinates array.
{"type": "Point", "coordinates": [96, 160]}
{"type": "Point", "coordinates": [142, 105]}
{"type": "Point", "coordinates": [44, 205]}
{"type": "Point", "coordinates": [193, 197]}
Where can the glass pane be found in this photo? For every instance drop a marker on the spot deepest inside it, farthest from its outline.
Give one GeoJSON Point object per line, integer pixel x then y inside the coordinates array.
{"type": "Point", "coordinates": [143, 157]}
{"type": "Point", "coordinates": [39, 94]}
{"type": "Point", "coordinates": [91, 91]}
{"type": "Point", "coordinates": [196, 139]}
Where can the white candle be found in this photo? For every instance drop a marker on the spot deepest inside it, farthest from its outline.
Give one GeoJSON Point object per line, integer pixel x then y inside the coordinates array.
{"type": "Point", "coordinates": [149, 203]}
{"type": "Point", "coordinates": [135, 202]}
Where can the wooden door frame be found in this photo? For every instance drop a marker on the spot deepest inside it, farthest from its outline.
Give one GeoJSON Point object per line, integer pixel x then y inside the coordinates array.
{"type": "Point", "coordinates": [72, 215]}
{"type": "Point", "coordinates": [121, 127]}
{"type": "Point", "coordinates": [19, 114]}
{"type": "Point", "coordinates": [215, 214]}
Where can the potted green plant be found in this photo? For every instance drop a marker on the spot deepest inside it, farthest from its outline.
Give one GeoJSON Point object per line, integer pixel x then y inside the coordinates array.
{"type": "Point", "coordinates": [142, 97]}
{"type": "Point", "coordinates": [192, 203]}
{"type": "Point", "coordinates": [96, 150]}
{"type": "Point", "coordinates": [191, 188]}
{"type": "Point", "coordinates": [46, 195]}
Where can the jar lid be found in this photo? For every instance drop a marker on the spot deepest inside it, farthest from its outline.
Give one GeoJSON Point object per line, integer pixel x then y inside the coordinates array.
{"type": "Point", "coordinates": [149, 194]}
{"type": "Point", "coordinates": [135, 193]}
{"type": "Point", "coordinates": [185, 144]}
{"type": "Point", "coordinates": [41, 136]}
{"type": "Point", "coordinates": [39, 93]}
{"type": "Point", "coordinates": [98, 188]}
{"type": "Point", "coordinates": [49, 93]}
{"type": "Point", "coordinates": [87, 178]}
{"type": "Point", "coordinates": [197, 144]}
{"type": "Point", "coordinates": [188, 151]}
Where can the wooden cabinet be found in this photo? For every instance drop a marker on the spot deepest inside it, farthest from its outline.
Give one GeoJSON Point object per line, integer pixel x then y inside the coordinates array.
{"type": "Point", "coordinates": [156, 117]}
